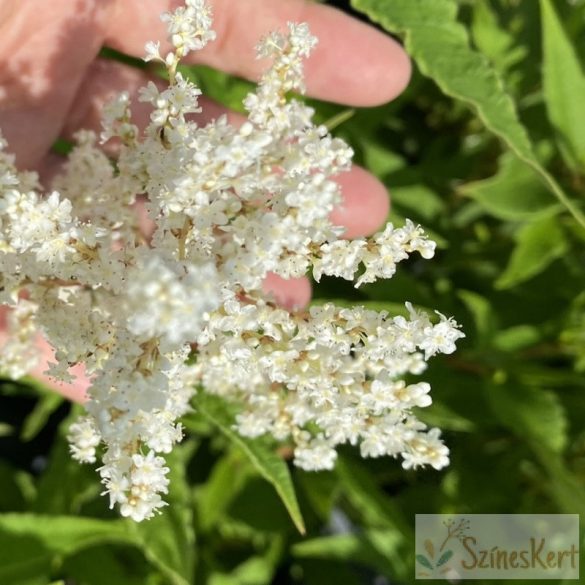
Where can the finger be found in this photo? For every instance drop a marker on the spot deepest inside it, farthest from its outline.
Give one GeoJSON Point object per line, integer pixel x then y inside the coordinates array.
{"type": "Point", "coordinates": [365, 204]}
{"type": "Point", "coordinates": [353, 64]}
{"type": "Point", "coordinates": [365, 201]}
{"type": "Point", "coordinates": [292, 294]}
{"type": "Point", "coordinates": [46, 50]}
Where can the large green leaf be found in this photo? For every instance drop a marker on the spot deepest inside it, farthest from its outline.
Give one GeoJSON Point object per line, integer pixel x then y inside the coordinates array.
{"type": "Point", "coordinates": [340, 547]}
{"type": "Point", "coordinates": [391, 531]}
{"type": "Point", "coordinates": [440, 46]}
{"type": "Point", "coordinates": [365, 495]}
{"type": "Point", "coordinates": [225, 482]}
{"type": "Point", "coordinates": [538, 244]}
{"type": "Point", "coordinates": [256, 570]}
{"type": "Point", "coordinates": [265, 459]}
{"type": "Point", "coordinates": [439, 415]}
{"type": "Point", "coordinates": [30, 544]}
{"type": "Point", "coordinates": [48, 403]}
{"type": "Point", "coordinates": [109, 565]}
{"type": "Point", "coordinates": [564, 86]}
{"type": "Point", "coordinates": [534, 414]}
{"type": "Point", "coordinates": [16, 488]}
{"type": "Point", "coordinates": [514, 193]}
{"type": "Point", "coordinates": [565, 488]}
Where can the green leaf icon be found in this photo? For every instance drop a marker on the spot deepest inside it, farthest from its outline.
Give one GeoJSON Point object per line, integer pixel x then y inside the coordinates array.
{"type": "Point", "coordinates": [444, 557]}
{"type": "Point", "coordinates": [424, 561]}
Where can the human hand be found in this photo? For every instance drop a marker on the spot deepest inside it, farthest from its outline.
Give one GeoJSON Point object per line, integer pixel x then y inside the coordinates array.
{"type": "Point", "coordinates": [52, 84]}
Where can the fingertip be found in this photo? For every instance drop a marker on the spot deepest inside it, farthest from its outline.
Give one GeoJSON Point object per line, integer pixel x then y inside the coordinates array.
{"type": "Point", "coordinates": [395, 73]}
{"type": "Point", "coordinates": [365, 205]}
{"type": "Point", "coordinates": [292, 294]}
{"type": "Point", "coordinates": [354, 63]}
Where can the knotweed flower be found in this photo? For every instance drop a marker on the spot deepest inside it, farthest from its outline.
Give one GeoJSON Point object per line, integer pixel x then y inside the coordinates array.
{"type": "Point", "coordinates": [229, 205]}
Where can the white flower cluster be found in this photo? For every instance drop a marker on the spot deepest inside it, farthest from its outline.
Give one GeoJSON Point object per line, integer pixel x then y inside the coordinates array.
{"type": "Point", "coordinates": [327, 377]}
{"type": "Point", "coordinates": [228, 206]}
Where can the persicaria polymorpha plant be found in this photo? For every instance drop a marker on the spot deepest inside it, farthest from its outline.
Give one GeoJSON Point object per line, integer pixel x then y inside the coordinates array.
{"type": "Point", "coordinates": [228, 206]}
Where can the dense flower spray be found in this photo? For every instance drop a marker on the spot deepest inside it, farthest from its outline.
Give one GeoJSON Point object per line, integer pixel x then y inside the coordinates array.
{"type": "Point", "coordinates": [229, 205]}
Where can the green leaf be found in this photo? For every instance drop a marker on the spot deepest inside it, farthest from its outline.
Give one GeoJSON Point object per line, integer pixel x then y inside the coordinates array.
{"type": "Point", "coordinates": [514, 193]}
{"type": "Point", "coordinates": [439, 415]}
{"type": "Point", "coordinates": [365, 495]}
{"type": "Point", "coordinates": [565, 488]}
{"type": "Point", "coordinates": [16, 488]}
{"type": "Point", "coordinates": [418, 199]}
{"type": "Point", "coordinates": [65, 484]}
{"type": "Point", "coordinates": [108, 565]}
{"type": "Point", "coordinates": [534, 414]}
{"type": "Point", "coordinates": [264, 458]}
{"type": "Point", "coordinates": [390, 531]}
{"type": "Point", "coordinates": [36, 420]}
{"type": "Point", "coordinates": [379, 160]}
{"type": "Point", "coordinates": [320, 489]}
{"type": "Point", "coordinates": [62, 147]}
{"type": "Point", "coordinates": [6, 430]}
{"type": "Point", "coordinates": [30, 543]}
{"type": "Point", "coordinates": [564, 86]}
{"type": "Point", "coordinates": [516, 338]}
{"type": "Point", "coordinates": [340, 547]}
{"type": "Point", "coordinates": [538, 244]}
{"type": "Point", "coordinates": [226, 480]}
{"type": "Point", "coordinates": [483, 316]}
{"type": "Point", "coordinates": [440, 46]}
{"type": "Point", "coordinates": [257, 570]}
{"type": "Point", "coordinates": [498, 44]}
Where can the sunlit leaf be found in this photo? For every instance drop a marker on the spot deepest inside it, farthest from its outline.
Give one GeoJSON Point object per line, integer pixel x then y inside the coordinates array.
{"type": "Point", "coordinates": [537, 245]}
{"type": "Point", "coordinates": [443, 53]}
{"type": "Point", "coordinates": [564, 85]}
{"type": "Point", "coordinates": [534, 414]}
{"type": "Point", "coordinates": [266, 460]}
{"type": "Point", "coordinates": [514, 193]}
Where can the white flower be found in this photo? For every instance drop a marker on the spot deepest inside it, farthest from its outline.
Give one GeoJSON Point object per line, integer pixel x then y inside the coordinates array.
{"type": "Point", "coordinates": [317, 455]}
{"type": "Point", "coordinates": [426, 449]}
{"type": "Point", "coordinates": [83, 438]}
{"type": "Point", "coordinates": [225, 207]}
{"type": "Point", "coordinates": [170, 304]}
{"type": "Point", "coordinates": [152, 51]}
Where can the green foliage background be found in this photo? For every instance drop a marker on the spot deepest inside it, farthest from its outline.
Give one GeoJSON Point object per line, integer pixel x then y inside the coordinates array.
{"type": "Point", "coordinates": [486, 149]}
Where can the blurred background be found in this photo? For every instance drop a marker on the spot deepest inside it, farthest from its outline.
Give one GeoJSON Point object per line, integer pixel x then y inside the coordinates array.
{"type": "Point", "coordinates": [486, 150]}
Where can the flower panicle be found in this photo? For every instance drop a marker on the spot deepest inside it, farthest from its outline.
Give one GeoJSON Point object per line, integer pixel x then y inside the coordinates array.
{"type": "Point", "coordinates": [226, 206]}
